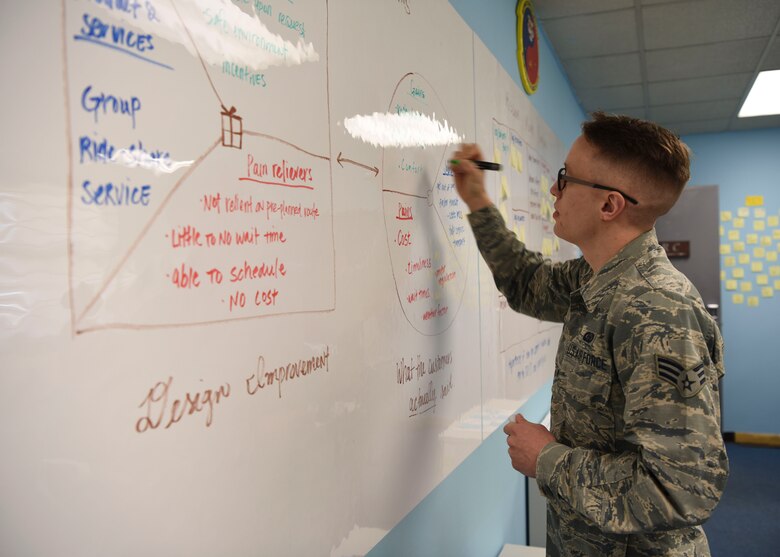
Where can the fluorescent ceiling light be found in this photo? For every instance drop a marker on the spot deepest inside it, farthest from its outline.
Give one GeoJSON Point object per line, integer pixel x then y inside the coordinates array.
{"type": "Point", "coordinates": [764, 96]}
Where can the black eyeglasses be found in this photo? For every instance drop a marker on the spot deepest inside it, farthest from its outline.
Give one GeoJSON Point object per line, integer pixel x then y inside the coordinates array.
{"type": "Point", "coordinates": [564, 178]}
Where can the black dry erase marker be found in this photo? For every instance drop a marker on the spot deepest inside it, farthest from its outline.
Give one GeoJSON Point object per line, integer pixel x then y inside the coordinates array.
{"type": "Point", "coordinates": [484, 165]}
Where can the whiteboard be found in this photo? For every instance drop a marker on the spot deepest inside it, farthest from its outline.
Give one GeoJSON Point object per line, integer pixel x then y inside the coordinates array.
{"type": "Point", "coordinates": [228, 326]}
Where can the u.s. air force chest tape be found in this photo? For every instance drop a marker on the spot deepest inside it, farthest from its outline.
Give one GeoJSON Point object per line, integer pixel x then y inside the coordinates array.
{"type": "Point", "coordinates": [689, 381]}
{"type": "Point", "coordinates": [586, 364]}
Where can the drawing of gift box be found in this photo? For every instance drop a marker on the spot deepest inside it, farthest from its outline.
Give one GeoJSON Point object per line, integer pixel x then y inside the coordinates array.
{"type": "Point", "coordinates": [232, 128]}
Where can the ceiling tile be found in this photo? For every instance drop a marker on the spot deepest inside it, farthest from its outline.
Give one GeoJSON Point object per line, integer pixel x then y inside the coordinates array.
{"type": "Point", "coordinates": [772, 61]}
{"type": "Point", "coordinates": [694, 111]}
{"type": "Point", "coordinates": [704, 61]}
{"type": "Point", "coordinates": [622, 96]}
{"type": "Point", "coordinates": [707, 21]}
{"type": "Point", "coordinates": [562, 8]}
{"type": "Point", "coordinates": [593, 35]}
{"type": "Point", "coordinates": [755, 123]}
{"type": "Point", "coordinates": [604, 71]}
{"type": "Point", "coordinates": [635, 112]}
{"type": "Point", "coordinates": [699, 89]}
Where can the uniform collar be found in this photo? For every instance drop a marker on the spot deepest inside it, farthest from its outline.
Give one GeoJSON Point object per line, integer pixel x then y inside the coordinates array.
{"type": "Point", "coordinates": [597, 286]}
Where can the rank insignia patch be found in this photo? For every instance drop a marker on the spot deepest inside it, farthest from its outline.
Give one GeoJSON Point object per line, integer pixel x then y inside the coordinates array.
{"type": "Point", "coordinates": [688, 381]}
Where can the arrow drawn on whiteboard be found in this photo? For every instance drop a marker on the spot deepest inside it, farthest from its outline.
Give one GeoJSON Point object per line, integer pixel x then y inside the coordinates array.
{"type": "Point", "coordinates": [373, 169]}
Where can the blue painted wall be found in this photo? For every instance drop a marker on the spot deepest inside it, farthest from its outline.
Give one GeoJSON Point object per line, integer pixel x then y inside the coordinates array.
{"type": "Point", "coordinates": [746, 164]}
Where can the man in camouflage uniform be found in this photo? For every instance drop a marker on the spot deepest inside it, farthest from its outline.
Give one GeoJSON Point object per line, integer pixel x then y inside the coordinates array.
{"type": "Point", "coordinates": [635, 461]}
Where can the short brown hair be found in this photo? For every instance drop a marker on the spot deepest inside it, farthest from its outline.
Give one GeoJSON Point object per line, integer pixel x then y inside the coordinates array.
{"type": "Point", "coordinates": [651, 149]}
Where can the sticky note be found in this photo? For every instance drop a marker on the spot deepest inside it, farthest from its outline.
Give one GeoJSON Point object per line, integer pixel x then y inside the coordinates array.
{"type": "Point", "coordinates": [729, 261]}
{"type": "Point", "coordinates": [762, 279]}
{"type": "Point", "coordinates": [733, 235]}
{"type": "Point", "coordinates": [739, 223]}
{"type": "Point", "coordinates": [725, 216]}
{"type": "Point", "coordinates": [766, 241]}
{"type": "Point", "coordinates": [725, 249]}
{"type": "Point", "coordinates": [771, 256]}
{"type": "Point", "coordinates": [773, 220]}
{"type": "Point", "coordinates": [557, 244]}
{"type": "Point", "coordinates": [497, 156]}
{"type": "Point", "coordinates": [774, 270]}
{"type": "Point", "coordinates": [721, 230]}
{"type": "Point", "coordinates": [753, 301]}
{"type": "Point", "coordinates": [743, 258]}
{"type": "Point", "coordinates": [739, 246]}
{"type": "Point", "coordinates": [731, 284]}
{"type": "Point", "coordinates": [754, 200]}
{"type": "Point", "coordinates": [504, 188]}
{"type": "Point", "coordinates": [746, 286]}
{"type": "Point", "coordinates": [759, 213]}
{"type": "Point", "coordinates": [751, 238]}
{"type": "Point", "coordinates": [756, 266]}
{"type": "Point", "coordinates": [776, 234]}
{"type": "Point", "coordinates": [767, 292]}
{"type": "Point", "coordinates": [521, 233]}
{"type": "Point", "coordinates": [737, 298]}
{"type": "Point", "coordinates": [723, 275]}
{"type": "Point", "coordinates": [759, 225]}
{"type": "Point", "coordinates": [738, 272]}
{"type": "Point", "coordinates": [546, 247]}
{"type": "Point", "coordinates": [759, 252]}
{"type": "Point", "coordinates": [777, 285]}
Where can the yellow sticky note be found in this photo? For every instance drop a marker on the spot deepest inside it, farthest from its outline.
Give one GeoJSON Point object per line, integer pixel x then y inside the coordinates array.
{"type": "Point", "coordinates": [752, 238]}
{"type": "Point", "coordinates": [774, 270]}
{"type": "Point", "coordinates": [725, 249]}
{"type": "Point", "coordinates": [723, 275]}
{"type": "Point", "coordinates": [759, 213]}
{"type": "Point", "coordinates": [754, 200]}
{"type": "Point", "coordinates": [743, 212]}
{"type": "Point", "coordinates": [731, 284]}
{"type": "Point", "coordinates": [762, 279]}
{"type": "Point", "coordinates": [721, 230]}
{"type": "Point", "coordinates": [521, 233]}
{"type": "Point", "coordinates": [733, 235]}
{"type": "Point", "coordinates": [746, 286]}
{"type": "Point", "coordinates": [725, 216]}
{"type": "Point", "coordinates": [776, 234]}
{"type": "Point", "coordinates": [497, 156]}
{"type": "Point", "coordinates": [759, 225]}
{"type": "Point", "coordinates": [767, 292]}
{"type": "Point", "coordinates": [546, 247]}
{"type": "Point", "coordinates": [759, 252]}
{"type": "Point", "coordinates": [519, 162]}
{"type": "Point", "coordinates": [557, 244]}
{"type": "Point", "coordinates": [771, 256]}
{"type": "Point", "coordinates": [729, 261]}
{"type": "Point", "coordinates": [743, 258]}
{"type": "Point", "coordinates": [738, 272]}
{"type": "Point", "coordinates": [739, 223]}
{"type": "Point", "coordinates": [766, 241]}
{"type": "Point", "coordinates": [739, 246]}
{"type": "Point", "coordinates": [737, 298]}
{"type": "Point", "coordinates": [504, 188]}
{"type": "Point", "coordinates": [777, 285]}
{"type": "Point", "coordinates": [756, 266]}
{"type": "Point", "coordinates": [752, 301]}
{"type": "Point", "coordinates": [773, 220]}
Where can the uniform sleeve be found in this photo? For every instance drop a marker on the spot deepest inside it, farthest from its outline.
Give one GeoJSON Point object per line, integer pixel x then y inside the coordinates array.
{"type": "Point", "coordinates": [532, 285]}
{"type": "Point", "coordinates": [674, 466]}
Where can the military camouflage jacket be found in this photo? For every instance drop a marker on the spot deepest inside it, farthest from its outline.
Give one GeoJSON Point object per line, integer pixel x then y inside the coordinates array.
{"type": "Point", "coordinates": [639, 461]}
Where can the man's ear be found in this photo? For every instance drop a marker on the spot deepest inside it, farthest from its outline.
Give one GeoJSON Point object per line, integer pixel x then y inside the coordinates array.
{"type": "Point", "coordinates": [613, 206]}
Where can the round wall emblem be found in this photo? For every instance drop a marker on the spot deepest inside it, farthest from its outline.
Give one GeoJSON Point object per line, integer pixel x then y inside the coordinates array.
{"type": "Point", "coordinates": [527, 46]}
